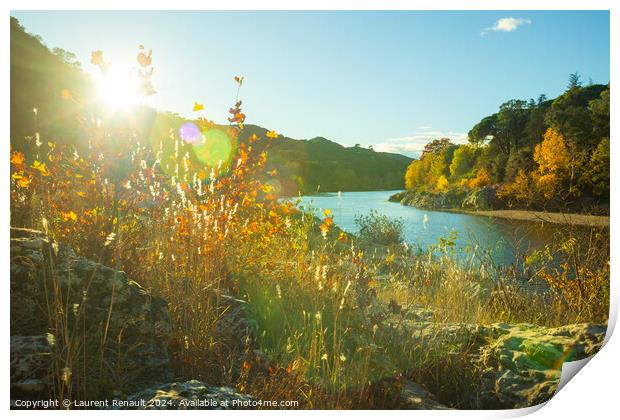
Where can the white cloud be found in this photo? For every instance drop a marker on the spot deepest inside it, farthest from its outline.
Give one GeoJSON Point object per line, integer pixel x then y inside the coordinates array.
{"type": "Point", "coordinates": [507, 24]}
{"type": "Point", "coordinates": [414, 144]}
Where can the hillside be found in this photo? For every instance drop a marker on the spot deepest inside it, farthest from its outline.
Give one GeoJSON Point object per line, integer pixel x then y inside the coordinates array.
{"type": "Point", "coordinates": [322, 165]}
{"type": "Point", "coordinates": [550, 155]}
{"type": "Point", "coordinates": [53, 83]}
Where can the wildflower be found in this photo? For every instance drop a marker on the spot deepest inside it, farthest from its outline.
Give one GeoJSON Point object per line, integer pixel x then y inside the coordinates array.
{"type": "Point", "coordinates": [198, 107]}
{"type": "Point", "coordinates": [343, 358]}
{"type": "Point", "coordinates": [324, 357]}
{"type": "Point", "coordinates": [272, 134]}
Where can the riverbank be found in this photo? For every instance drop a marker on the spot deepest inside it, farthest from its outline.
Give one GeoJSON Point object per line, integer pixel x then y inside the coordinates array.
{"type": "Point", "coordinates": [540, 216]}
{"type": "Point", "coordinates": [483, 202]}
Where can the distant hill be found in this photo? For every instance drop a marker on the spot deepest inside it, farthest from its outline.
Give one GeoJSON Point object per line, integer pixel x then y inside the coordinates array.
{"type": "Point", "coordinates": [52, 82]}
{"type": "Point", "coordinates": [318, 164]}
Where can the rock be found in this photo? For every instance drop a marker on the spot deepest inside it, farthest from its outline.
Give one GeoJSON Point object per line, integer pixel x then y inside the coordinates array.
{"type": "Point", "coordinates": [480, 199]}
{"type": "Point", "coordinates": [525, 362]}
{"type": "Point", "coordinates": [108, 308]}
{"type": "Point", "coordinates": [520, 364]}
{"type": "Point", "coordinates": [189, 395]}
{"type": "Point", "coordinates": [414, 397]}
{"type": "Point", "coordinates": [30, 361]}
{"type": "Point", "coordinates": [476, 199]}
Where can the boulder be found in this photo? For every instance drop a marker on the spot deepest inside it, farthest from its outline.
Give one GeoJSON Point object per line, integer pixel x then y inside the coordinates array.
{"type": "Point", "coordinates": [519, 364]}
{"type": "Point", "coordinates": [30, 362]}
{"type": "Point", "coordinates": [480, 199]}
{"type": "Point", "coordinates": [414, 397]}
{"type": "Point", "coordinates": [525, 362]}
{"type": "Point", "coordinates": [190, 395]}
{"type": "Point", "coordinates": [52, 289]}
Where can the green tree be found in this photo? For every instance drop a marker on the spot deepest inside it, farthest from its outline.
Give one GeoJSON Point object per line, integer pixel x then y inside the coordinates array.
{"type": "Point", "coordinates": [597, 173]}
{"type": "Point", "coordinates": [462, 162]}
{"type": "Point", "coordinates": [599, 109]}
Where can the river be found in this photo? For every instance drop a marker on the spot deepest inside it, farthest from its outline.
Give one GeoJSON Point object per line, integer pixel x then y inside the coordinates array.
{"type": "Point", "coordinates": [500, 239]}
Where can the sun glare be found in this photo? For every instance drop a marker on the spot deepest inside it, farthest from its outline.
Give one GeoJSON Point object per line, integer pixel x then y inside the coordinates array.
{"type": "Point", "coordinates": [118, 89]}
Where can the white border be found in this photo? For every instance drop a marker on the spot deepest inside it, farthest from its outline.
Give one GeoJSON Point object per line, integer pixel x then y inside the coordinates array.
{"type": "Point", "coordinates": [592, 395]}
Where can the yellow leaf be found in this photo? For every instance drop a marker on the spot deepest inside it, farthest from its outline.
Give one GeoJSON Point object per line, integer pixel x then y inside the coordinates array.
{"type": "Point", "coordinates": [22, 181]}
{"type": "Point", "coordinates": [41, 168]}
{"type": "Point", "coordinates": [70, 215]}
{"type": "Point", "coordinates": [17, 158]}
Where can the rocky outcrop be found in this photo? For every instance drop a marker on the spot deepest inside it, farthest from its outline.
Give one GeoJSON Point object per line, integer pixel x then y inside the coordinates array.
{"type": "Point", "coordinates": [31, 358]}
{"type": "Point", "coordinates": [520, 364]}
{"type": "Point", "coordinates": [53, 290]}
{"type": "Point", "coordinates": [484, 198]}
{"type": "Point", "coordinates": [475, 199]}
{"type": "Point", "coordinates": [414, 397]}
{"type": "Point", "coordinates": [190, 395]}
{"type": "Point", "coordinates": [523, 365]}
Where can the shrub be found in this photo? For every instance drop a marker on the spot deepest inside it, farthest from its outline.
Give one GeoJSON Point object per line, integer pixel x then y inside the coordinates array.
{"type": "Point", "coordinates": [379, 228]}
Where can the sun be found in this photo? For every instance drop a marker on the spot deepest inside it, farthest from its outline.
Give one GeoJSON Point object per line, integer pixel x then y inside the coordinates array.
{"type": "Point", "coordinates": [118, 89]}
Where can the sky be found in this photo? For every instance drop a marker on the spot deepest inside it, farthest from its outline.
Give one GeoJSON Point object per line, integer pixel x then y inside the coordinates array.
{"type": "Point", "coordinates": [394, 80]}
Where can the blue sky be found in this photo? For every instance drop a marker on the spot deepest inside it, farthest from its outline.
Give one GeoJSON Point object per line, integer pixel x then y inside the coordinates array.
{"type": "Point", "coordinates": [393, 80]}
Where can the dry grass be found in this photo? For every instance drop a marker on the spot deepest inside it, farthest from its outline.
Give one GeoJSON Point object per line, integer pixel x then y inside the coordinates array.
{"type": "Point", "coordinates": [325, 308]}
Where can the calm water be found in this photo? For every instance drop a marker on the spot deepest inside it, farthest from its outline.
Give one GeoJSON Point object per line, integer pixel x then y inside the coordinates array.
{"type": "Point", "coordinates": [498, 238]}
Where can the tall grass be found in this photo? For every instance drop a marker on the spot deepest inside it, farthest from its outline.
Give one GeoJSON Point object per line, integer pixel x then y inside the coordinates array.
{"type": "Point", "coordinates": [334, 314]}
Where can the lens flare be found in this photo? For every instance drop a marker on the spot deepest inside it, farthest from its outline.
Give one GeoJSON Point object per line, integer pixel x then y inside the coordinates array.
{"type": "Point", "coordinates": [189, 133]}
{"type": "Point", "coordinates": [118, 89]}
{"type": "Point", "coordinates": [215, 148]}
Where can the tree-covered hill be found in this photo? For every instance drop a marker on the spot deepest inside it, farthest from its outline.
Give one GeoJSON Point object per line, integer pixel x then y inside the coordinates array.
{"type": "Point", "coordinates": [52, 96]}
{"type": "Point", "coordinates": [319, 164]}
{"type": "Point", "coordinates": [537, 154]}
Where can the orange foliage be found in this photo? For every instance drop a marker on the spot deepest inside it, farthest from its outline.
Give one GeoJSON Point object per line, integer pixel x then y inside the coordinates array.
{"type": "Point", "coordinates": [482, 179]}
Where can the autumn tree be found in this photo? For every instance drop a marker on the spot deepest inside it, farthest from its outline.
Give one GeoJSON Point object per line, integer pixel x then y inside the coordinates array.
{"type": "Point", "coordinates": [519, 192]}
{"type": "Point", "coordinates": [436, 146]}
{"type": "Point", "coordinates": [482, 179]}
{"type": "Point", "coordinates": [415, 175]}
{"type": "Point", "coordinates": [554, 164]}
